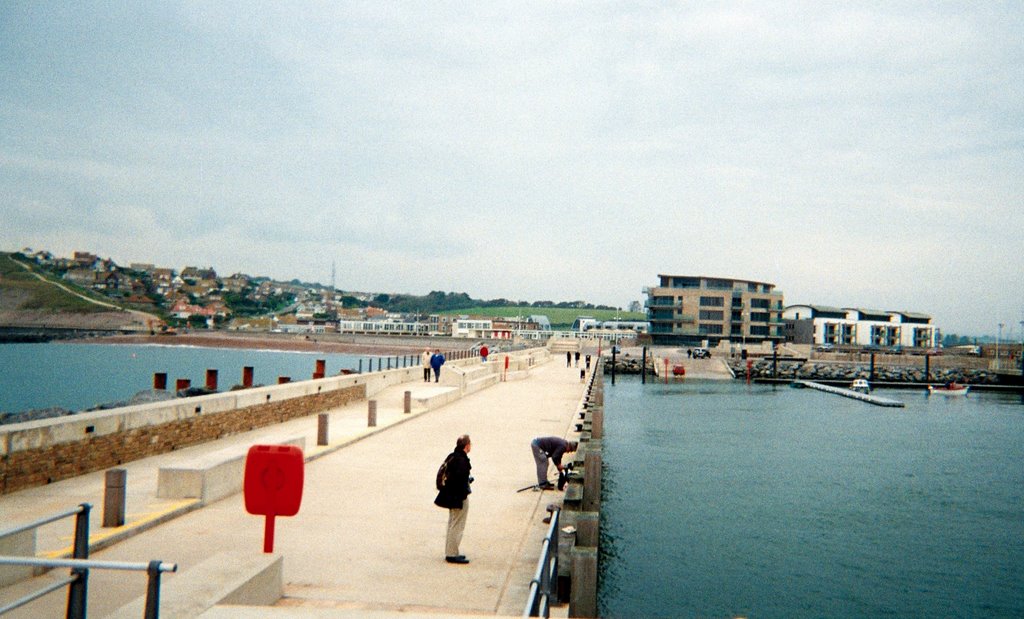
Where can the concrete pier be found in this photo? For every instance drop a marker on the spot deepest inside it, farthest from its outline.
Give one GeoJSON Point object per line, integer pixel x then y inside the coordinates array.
{"type": "Point", "coordinates": [367, 539]}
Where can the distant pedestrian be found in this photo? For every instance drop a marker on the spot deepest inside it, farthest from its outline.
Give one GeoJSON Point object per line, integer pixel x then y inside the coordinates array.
{"type": "Point", "coordinates": [583, 375]}
{"type": "Point", "coordinates": [484, 352]}
{"type": "Point", "coordinates": [436, 361]}
{"type": "Point", "coordinates": [552, 447]}
{"type": "Point", "coordinates": [588, 362]}
{"type": "Point", "coordinates": [689, 353]}
{"type": "Point", "coordinates": [568, 359]}
{"type": "Point", "coordinates": [425, 358]}
{"type": "Point", "coordinates": [577, 358]}
{"type": "Point", "coordinates": [453, 494]}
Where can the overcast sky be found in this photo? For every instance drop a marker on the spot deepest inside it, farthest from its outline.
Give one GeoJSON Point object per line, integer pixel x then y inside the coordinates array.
{"type": "Point", "coordinates": [855, 154]}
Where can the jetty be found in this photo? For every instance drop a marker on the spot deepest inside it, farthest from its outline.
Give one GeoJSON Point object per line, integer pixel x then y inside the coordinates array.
{"type": "Point", "coordinates": [850, 393]}
{"type": "Point", "coordinates": [367, 540]}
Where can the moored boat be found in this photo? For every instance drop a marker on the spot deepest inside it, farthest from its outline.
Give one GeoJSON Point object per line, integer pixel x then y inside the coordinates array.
{"type": "Point", "coordinates": [678, 370]}
{"type": "Point", "coordinates": [860, 385]}
{"type": "Point", "coordinates": [949, 389]}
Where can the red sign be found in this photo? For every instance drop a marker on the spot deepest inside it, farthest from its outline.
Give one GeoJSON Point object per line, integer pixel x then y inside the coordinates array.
{"type": "Point", "coordinates": [273, 484]}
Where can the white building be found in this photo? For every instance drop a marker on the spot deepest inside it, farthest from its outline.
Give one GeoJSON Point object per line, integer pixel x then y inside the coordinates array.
{"type": "Point", "coordinates": [819, 324]}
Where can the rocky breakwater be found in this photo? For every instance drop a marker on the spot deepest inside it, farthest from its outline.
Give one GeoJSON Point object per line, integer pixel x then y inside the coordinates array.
{"type": "Point", "coordinates": [802, 370]}
{"type": "Point", "coordinates": [627, 364]}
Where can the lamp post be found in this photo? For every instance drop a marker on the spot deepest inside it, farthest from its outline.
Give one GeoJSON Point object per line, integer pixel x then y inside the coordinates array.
{"type": "Point", "coordinates": [999, 337]}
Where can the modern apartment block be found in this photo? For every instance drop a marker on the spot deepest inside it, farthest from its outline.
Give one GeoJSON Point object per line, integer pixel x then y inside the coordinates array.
{"type": "Point", "coordinates": [849, 326]}
{"type": "Point", "coordinates": [694, 310]}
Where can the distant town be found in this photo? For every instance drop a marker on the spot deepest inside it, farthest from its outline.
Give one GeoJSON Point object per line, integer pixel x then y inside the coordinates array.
{"type": "Point", "coordinates": [680, 310]}
{"type": "Point", "coordinates": [200, 298]}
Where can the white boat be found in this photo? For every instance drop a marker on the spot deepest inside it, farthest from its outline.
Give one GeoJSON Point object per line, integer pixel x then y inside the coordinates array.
{"type": "Point", "coordinates": [949, 389]}
{"type": "Point", "coordinates": [860, 385]}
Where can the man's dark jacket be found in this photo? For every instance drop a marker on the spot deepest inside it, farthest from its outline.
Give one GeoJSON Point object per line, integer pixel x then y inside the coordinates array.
{"type": "Point", "coordinates": [456, 488]}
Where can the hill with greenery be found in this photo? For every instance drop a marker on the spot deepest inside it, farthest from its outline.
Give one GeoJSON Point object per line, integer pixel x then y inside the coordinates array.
{"type": "Point", "coordinates": [21, 289]}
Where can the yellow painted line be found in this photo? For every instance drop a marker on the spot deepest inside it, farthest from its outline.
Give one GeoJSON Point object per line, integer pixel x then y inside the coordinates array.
{"type": "Point", "coordinates": [146, 518]}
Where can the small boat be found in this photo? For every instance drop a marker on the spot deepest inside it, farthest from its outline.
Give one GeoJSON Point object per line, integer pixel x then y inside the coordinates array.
{"type": "Point", "coordinates": [678, 370]}
{"type": "Point", "coordinates": [949, 389]}
{"type": "Point", "coordinates": [861, 385]}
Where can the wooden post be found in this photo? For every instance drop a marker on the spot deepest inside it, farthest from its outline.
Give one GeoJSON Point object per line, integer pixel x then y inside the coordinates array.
{"type": "Point", "coordinates": [211, 380]}
{"type": "Point", "coordinates": [407, 403]}
{"type": "Point", "coordinates": [583, 598]}
{"type": "Point", "coordinates": [247, 373]}
{"type": "Point", "coordinates": [592, 481]}
{"type": "Point", "coordinates": [160, 381]}
{"type": "Point", "coordinates": [371, 420]}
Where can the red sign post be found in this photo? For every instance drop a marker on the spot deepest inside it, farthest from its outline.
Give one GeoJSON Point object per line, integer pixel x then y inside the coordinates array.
{"type": "Point", "coordinates": [273, 484]}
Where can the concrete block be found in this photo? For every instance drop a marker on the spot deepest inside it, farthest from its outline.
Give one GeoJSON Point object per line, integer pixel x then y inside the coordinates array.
{"type": "Point", "coordinates": [210, 477]}
{"type": "Point", "coordinates": [238, 578]}
{"type": "Point", "coordinates": [21, 544]}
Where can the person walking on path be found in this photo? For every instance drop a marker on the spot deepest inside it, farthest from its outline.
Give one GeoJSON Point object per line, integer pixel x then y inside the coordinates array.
{"type": "Point", "coordinates": [577, 358]}
{"type": "Point", "coordinates": [425, 358]}
{"type": "Point", "coordinates": [484, 352]}
{"type": "Point", "coordinates": [552, 447]}
{"type": "Point", "coordinates": [436, 361]}
{"type": "Point", "coordinates": [568, 358]}
{"type": "Point", "coordinates": [453, 494]}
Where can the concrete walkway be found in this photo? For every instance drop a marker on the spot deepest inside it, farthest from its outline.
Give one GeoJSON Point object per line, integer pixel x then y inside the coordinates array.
{"type": "Point", "coordinates": [368, 539]}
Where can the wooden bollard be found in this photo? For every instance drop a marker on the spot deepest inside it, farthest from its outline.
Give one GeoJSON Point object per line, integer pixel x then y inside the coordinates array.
{"type": "Point", "coordinates": [371, 417]}
{"type": "Point", "coordinates": [321, 367]}
{"type": "Point", "coordinates": [160, 381]}
{"type": "Point", "coordinates": [587, 528]}
{"type": "Point", "coordinates": [407, 403]}
{"type": "Point", "coordinates": [247, 376]}
{"type": "Point", "coordinates": [283, 379]}
{"type": "Point", "coordinates": [321, 428]}
{"type": "Point", "coordinates": [591, 482]}
{"type": "Point", "coordinates": [182, 383]}
{"type": "Point", "coordinates": [211, 380]}
{"type": "Point", "coordinates": [114, 497]}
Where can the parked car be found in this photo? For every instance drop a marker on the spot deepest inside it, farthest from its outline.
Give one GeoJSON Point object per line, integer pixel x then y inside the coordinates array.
{"type": "Point", "coordinates": [701, 353]}
{"type": "Point", "coordinates": [825, 348]}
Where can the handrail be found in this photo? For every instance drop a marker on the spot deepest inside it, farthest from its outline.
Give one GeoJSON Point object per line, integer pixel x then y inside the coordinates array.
{"type": "Point", "coordinates": [80, 565]}
{"type": "Point", "coordinates": [544, 583]}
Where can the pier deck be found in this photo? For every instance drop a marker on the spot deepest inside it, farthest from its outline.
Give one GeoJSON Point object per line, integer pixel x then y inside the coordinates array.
{"type": "Point", "coordinates": [367, 539]}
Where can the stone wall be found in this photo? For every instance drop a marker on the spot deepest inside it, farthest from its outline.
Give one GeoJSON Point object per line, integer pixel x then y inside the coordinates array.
{"type": "Point", "coordinates": [54, 461]}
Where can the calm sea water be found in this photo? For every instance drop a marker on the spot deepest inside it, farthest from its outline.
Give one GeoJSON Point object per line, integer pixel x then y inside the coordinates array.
{"type": "Point", "coordinates": [80, 376]}
{"type": "Point", "coordinates": [724, 500]}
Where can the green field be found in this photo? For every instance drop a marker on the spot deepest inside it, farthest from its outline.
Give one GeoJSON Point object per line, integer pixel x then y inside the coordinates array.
{"type": "Point", "coordinates": [560, 317]}
{"type": "Point", "coordinates": [24, 291]}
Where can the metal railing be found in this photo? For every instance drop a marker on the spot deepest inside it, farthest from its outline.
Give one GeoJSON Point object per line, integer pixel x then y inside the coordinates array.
{"type": "Point", "coordinates": [77, 581]}
{"type": "Point", "coordinates": [544, 586]}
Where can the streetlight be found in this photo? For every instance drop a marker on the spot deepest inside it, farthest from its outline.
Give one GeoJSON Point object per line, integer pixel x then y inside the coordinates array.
{"type": "Point", "coordinates": [999, 337]}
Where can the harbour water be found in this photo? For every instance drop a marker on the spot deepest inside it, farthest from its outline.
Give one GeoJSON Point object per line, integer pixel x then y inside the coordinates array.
{"type": "Point", "coordinates": [723, 500]}
{"type": "Point", "coordinates": [81, 376]}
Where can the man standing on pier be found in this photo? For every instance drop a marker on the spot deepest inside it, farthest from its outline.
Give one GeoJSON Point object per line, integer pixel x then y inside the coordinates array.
{"type": "Point", "coordinates": [552, 447]}
{"type": "Point", "coordinates": [454, 494]}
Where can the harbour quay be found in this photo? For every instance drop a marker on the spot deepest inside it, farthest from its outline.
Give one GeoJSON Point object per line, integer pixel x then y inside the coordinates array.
{"type": "Point", "coordinates": [367, 539]}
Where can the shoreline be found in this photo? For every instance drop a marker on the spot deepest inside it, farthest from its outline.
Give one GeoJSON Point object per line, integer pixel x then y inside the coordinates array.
{"type": "Point", "coordinates": [330, 343]}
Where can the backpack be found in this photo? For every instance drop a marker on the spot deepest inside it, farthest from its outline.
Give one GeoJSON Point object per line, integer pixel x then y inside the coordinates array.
{"type": "Point", "coordinates": [442, 473]}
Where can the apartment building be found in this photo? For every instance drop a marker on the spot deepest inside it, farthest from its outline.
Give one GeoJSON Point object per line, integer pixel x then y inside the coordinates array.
{"type": "Point", "coordinates": [851, 326]}
{"type": "Point", "coordinates": [695, 310]}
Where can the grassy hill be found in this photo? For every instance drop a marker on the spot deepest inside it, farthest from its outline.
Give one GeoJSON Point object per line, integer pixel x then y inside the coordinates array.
{"type": "Point", "coordinates": [560, 317]}
{"type": "Point", "coordinates": [22, 290]}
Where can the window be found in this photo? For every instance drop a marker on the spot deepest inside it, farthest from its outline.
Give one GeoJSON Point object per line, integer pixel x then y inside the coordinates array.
{"type": "Point", "coordinates": [712, 315]}
{"type": "Point", "coordinates": [761, 303]}
{"type": "Point", "coordinates": [709, 329]}
{"type": "Point", "coordinates": [758, 316]}
{"type": "Point", "coordinates": [759, 330]}
{"type": "Point", "coordinates": [712, 302]}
